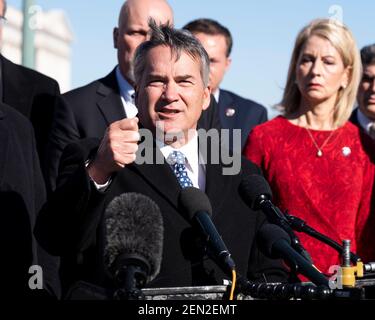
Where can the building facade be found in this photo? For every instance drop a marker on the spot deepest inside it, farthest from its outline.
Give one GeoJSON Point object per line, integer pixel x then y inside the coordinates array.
{"type": "Point", "coordinates": [52, 42]}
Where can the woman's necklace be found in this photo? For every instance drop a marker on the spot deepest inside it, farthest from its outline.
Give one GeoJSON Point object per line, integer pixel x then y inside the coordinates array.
{"type": "Point", "coordinates": [319, 152]}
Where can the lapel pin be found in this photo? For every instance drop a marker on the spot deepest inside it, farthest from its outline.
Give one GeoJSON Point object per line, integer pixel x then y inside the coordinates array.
{"type": "Point", "coordinates": [229, 112]}
{"type": "Point", "coordinates": [346, 151]}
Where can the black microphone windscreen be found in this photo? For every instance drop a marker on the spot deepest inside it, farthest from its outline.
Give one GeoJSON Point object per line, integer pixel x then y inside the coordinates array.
{"type": "Point", "coordinates": [193, 200]}
{"type": "Point", "coordinates": [134, 225]}
{"type": "Point", "coordinates": [254, 185]}
{"type": "Point", "coordinates": [268, 235]}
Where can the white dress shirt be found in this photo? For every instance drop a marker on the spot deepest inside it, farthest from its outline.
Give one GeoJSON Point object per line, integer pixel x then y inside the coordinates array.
{"type": "Point", "coordinates": [127, 95]}
{"type": "Point", "coordinates": [195, 167]}
{"type": "Point", "coordinates": [216, 95]}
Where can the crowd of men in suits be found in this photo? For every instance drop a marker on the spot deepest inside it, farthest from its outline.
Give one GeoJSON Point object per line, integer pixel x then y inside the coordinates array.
{"type": "Point", "coordinates": [84, 148]}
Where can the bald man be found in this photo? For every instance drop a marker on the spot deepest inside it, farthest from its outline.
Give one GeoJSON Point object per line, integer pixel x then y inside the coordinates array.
{"type": "Point", "coordinates": [133, 29]}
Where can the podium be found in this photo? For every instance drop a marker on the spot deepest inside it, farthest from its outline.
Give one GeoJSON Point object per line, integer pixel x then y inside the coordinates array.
{"type": "Point", "coordinates": [364, 290]}
{"type": "Point", "coordinates": [191, 293]}
{"type": "Point", "coordinates": [86, 291]}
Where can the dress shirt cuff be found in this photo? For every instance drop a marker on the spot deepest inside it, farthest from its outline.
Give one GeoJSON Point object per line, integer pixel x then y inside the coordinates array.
{"type": "Point", "coordinates": [100, 187]}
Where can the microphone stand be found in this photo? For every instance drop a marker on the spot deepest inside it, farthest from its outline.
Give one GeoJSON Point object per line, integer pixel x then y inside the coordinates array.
{"type": "Point", "coordinates": [300, 225]}
{"type": "Point", "coordinates": [131, 272]}
{"type": "Point", "coordinates": [275, 216]}
{"type": "Point", "coordinates": [301, 291]}
{"type": "Point", "coordinates": [128, 282]}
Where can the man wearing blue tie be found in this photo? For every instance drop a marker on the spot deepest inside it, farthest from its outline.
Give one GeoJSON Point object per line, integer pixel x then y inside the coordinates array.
{"type": "Point", "coordinates": [171, 73]}
{"type": "Point", "coordinates": [87, 111]}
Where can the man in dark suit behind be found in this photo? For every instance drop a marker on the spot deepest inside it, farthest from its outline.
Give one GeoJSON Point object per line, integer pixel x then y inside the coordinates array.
{"type": "Point", "coordinates": [364, 115]}
{"type": "Point", "coordinates": [32, 94]}
{"type": "Point", "coordinates": [171, 71]}
{"type": "Point", "coordinates": [235, 112]}
{"type": "Point", "coordinates": [22, 194]}
{"type": "Point", "coordinates": [87, 111]}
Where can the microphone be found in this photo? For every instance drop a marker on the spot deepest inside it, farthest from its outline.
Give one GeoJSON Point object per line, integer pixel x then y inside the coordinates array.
{"type": "Point", "coordinates": [258, 194]}
{"type": "Point", "coordinates": [196, 205]}
{"type": "Point", "coordinates": [275, 243]}
{"type": "Point", "coordinates": [134, 243]}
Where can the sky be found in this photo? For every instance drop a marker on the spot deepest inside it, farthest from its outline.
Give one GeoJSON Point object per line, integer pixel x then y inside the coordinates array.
{"type": "Point", "coordinates": [263, 34]}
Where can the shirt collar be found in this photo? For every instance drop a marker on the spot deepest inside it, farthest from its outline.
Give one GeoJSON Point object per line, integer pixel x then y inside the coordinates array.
{"type": "Point", "coordinates": [216, 95]}
{"type": "Point", "coordinates": [364, 121]}
{"type": "Point", "coordinates": [190, 150]}
{"type": "Point", "coordinates": [126, 90]}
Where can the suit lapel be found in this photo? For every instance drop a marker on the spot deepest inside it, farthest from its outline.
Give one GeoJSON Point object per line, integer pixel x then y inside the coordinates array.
{"type": "Point", "coordinates": [216, 184]}
{"type": "Point", "coordinates": [161, 177]}
{"type": "Point", "coordinates": [354, 117]}
{"type": "Point", "coordinates": [13, 80]}
{"type": "Point", "coordinates": [109, 99]}
{"type": "Point", "coordinates": [216, 189]}
{"type": "Point", "coordinates": [226, 102]}
{"type": "Point", "coordinates": [4, 143]}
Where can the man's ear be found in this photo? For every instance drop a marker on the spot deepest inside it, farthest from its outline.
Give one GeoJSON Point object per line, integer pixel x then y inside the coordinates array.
{"type": "Point", "coordinates": [115, 37]}
{"type": "Point", "coordinates": [206, 98]}
{"type": "Point", "coordinates": [228, 63]}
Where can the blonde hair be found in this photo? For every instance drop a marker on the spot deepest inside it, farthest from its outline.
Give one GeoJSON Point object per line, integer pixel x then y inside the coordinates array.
{"type": "Point", "coordinates": [342, 39]}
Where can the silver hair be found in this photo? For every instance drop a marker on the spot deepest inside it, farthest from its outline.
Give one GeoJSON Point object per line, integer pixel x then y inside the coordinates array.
{"type": "Point", "coordinates": [179, 41]}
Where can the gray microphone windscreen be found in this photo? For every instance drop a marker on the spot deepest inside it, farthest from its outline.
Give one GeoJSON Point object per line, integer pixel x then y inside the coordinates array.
{"type": "Point", "coordinates": [134, 225]}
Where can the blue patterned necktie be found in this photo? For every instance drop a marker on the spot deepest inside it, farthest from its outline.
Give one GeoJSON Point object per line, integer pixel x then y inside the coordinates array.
{"type": "Point", "coordinates": [178, 160]}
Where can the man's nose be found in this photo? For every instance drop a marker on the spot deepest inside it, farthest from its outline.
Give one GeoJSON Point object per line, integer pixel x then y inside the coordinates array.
{"type": "Point", "coordinates": [171, 91]}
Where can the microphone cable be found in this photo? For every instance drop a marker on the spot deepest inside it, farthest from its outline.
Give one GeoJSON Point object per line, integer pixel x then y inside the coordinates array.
{"type": "Point", "coordinates": [233, 286]}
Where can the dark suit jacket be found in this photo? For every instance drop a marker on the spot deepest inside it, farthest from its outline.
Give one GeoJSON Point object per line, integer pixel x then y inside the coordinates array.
{"type": "Point", "coordinates": [35, 96]}
{"type": "Point", "coordinates": [72, 225]}
{"type": "Point", "coordinates": [86, 112]}
{"type": "Point", "coordinates": [22, 194]}
{"type": "Point", "coordinates": [354, 118]}
{"type": "Point", "coordinates": [247, 114]}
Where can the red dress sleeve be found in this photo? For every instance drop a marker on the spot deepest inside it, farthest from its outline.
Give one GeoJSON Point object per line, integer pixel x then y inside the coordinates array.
{"type": "Point", "coordinates": [254, 150]}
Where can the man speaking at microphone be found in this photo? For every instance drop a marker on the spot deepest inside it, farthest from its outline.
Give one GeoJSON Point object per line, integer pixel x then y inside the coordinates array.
{"type": "Point", "coordinates": [171, 72]}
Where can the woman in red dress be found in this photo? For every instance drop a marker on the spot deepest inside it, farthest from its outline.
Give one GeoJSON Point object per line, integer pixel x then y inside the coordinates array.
{"type": "Point", "coordinates": [317, 163]}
